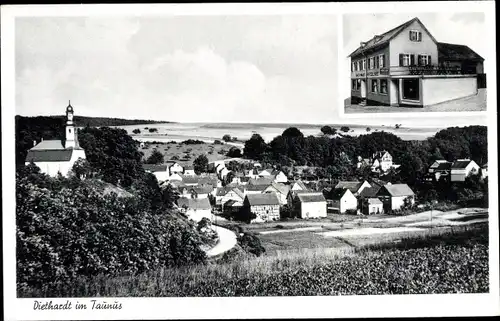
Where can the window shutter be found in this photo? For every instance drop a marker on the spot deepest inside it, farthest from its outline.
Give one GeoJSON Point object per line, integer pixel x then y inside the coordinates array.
{"type": "Point", "coordinates": [409, 33]}
{"type": "Point", "coordinates": [412, 60]}
{"type": "Point", "coordinates": [377, 65]}
{"type": "Point", "coordinates": [419, 60]}
{"type": "Point", "coordinates": [400, 60]}
{"type": "Point", "coordinates": [429, 60]}
{"type": "Point", "coordinates": [419, 36]}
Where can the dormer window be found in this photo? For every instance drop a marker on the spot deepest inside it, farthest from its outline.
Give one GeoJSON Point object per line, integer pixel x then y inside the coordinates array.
{"type": "Point", "coordinates": [415, 35]}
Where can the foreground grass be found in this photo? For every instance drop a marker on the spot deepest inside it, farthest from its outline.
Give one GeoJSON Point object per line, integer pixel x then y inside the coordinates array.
{"type": "Point", "coordinates": [446, 263]}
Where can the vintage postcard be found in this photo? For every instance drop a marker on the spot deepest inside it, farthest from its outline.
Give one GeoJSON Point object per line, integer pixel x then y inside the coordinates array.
{"type": "Point", "coordinates": [243, 161]}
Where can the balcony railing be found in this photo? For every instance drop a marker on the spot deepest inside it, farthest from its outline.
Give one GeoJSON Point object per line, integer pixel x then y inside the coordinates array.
{"type": "Point", "coordinates": [434, 70]}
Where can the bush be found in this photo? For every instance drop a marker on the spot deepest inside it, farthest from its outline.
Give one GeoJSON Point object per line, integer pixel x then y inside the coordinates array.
{"type": "Point", "coordinates": [218, 142]}
{"type": "Point", "coordinates": [136, 131]}
{"type": "Point", "coordinates": [153, 130]}
{"type": "Point", "coordinates": [345, 129]}
{"type": "Point", "coordinates": [155, 158]}
{"type": "Point", "coordinates": [234, 152]}
{"type": "Point", "coordinates": [193, 142]}
{"type": "Point", "coordinates": [251, 244]}
{"type": "Point", "coordinates": [226, 138]}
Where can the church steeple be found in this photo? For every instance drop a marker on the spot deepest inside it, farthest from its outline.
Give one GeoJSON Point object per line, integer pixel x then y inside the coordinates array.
{"type": "Point", "coordinates": [70, 128]}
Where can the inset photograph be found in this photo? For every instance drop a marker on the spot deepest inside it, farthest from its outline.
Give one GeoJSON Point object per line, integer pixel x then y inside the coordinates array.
{"type": "Point", "coordinates": [430, 62]}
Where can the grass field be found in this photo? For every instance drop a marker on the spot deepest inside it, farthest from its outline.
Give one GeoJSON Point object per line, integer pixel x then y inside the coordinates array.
{"type": "Point", "coordinates": [451, 262]}
{"type": "Point", "coordinates": [186, 154]}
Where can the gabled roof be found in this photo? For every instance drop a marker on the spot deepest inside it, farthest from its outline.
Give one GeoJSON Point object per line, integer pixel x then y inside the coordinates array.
{"type": "Point", "coordinates": [399, 190]}
{"type": "Point", "coordinates": [260, 181]}
{"type": "Point", "coordinates": [49, 155]}
{"type": "Point", "coordinates": [449, 51]}
{"type": "Point", "coordinates": [188, 167]}
{"type": "Point", "coordinates": [256, 188]}
{"type": "Point", "coordinates": [54, 144]}
{"type": "Point", "coordinates": [190, 179]}
{"type": "Point", "coordinates": [300, 183]}
{"type": "Point", "coordinates": [374, 200]}
{"type": "Point", "coordinates": [194, 203]}
{"type": "Point", "coordinates": [155, 167]}
{"type": "Point", "coordinates": [353, 186]}
{"type": "Point", "coordinates": [282, 188]}
{"type": "Point", "coordinates": [382, 39]}
{"type": "Point", "coordinates": [442, 166]}
{"type": "Point", "coordinates": [461, 163]}
{"type": "Point", "coordinates": [370, 191]}
{"type": "Point", "coordinates": [311, 197]}
{"type": "Point", "coordinates": [263, 199]}
{"type": "Point", "coordinates": [202, 189]}
{"type": "Point", "coordinates": [338, 193]}
{"type": "Point", "coordinates": [378, 182]}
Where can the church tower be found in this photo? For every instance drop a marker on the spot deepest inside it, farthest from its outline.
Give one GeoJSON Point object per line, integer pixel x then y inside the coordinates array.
{"type": "Point", "coordinates": [70, 128]}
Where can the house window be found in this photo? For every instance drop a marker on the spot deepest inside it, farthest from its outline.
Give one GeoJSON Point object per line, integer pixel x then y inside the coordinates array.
{"type": "Point", "coordinates": [354, 84]}
{"type": "Point", "coordinates": [358, 84]}
{"type": "Point", "coordinates": [363, 67]}
{"type": "Point", "coordinates": [359, 65]}
{"type": "Point", "coordinates": [424, 60]}
{"type": "Point", "coordinates": [383, 86]}
{"type": "Point", "coordinates": [372, 63]}
{"type": "Point", "coordinates": [381, 61]}
{"type": "Point", "coordinates": [406, 60]}
{"type": "Point", "coordinates": [353, 66]}
{"type": "Point", "coordinates": [415, 35]}
{"type": "Point", "coordinates": [374, 85]}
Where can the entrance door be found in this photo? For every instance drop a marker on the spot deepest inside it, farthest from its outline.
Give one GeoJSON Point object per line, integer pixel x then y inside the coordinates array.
{"type": "Point", "coordinates": [363, 88]}
{"type": "Point", "coordinates": [411, 89]}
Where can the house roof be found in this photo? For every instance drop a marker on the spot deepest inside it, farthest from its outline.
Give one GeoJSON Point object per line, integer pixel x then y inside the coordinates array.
{"type": "Point", "coordinates": [256, 188]}
{"type": "Point", "coordinates": [49, 155]}
{"type": "Point", "coordinates": [370, 191]}
{"type": "Point", "coordinates": [49, 145]}
{"type": "Point", "coordinates": [443, 166]}
{"type": "Point", "coordinates": [263, 199]}
{"type": "Point", "coordinates": [353, 186]}
{"type": "Point", "coordinates": [155, 167]}
{"type": "Point", "coordinates": [260, 181]}
{"type": "Point", "coordinates": [202, 189]}
{"type": "Point", "coordinates": [190, 179]}
{"type": "Point", "coordinates": [460, 164]}
{"type": "Point", "coordinates": [374, 200]}
{"type": "Point", "coordinates": [300, 183]}
{"type": "Point", "coordinates": [311, 197]}
{"type": "Point", "coordinates": [194, 203]}
{"type": "Point", "coordinates": [282, 188]}
{"type": "Point", "coordinates": [449, 51]}
{"type": "Point", "coordinates": [399, 190]}
{"type": "Point", "coordinates": [386, 37]}
{"type": "Point", "coordinates": [338, 193]}
{"type": "Point", "coordinates": [379, 154]}
{"type": "Point", "coordinates": [378, 182]}
{"type": "Point", "coordinates": [188, 167]}
{"type": "Point", "coordinates": [221, 191]}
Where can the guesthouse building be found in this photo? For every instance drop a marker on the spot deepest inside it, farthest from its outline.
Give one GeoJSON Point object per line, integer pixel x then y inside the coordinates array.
{"type": "Point", "coordinates": [407, 66]}
{"type": "Point", "coordinates": [265, 206]}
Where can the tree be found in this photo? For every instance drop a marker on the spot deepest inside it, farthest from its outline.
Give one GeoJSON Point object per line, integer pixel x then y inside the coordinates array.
{"type": "Point", "coordinates": [81, 168]}
{"type": "Point", "coordinates": [327, 130]}
{"type": "Point", "coordinates": [234, 152]}
{"type": "Point", "coordinates": [292, 132]}
{"type": "Point", "coordinates": [368, 129]}
{"type": "Point", "coordinates": [155, 158]}
{"type": "Point", "coordinates": [226, 138]}
{"type": "Point", "coordinates": [153, 130]}
{"type": "Point", "coordinates": [200, 164]}
{"type": "Point", "coordinates": [345, 129]}
{"type": "Point", "coordinates": [136, 131]}
{"type": "Point", "coordinates": [255, 147]}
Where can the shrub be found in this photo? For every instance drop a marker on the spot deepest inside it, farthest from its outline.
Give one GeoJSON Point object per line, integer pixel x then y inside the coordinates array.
{"type": "Point", "coordinates": [226, 138]}
{"type": "Point", "coordinates": [136, 131]}
{"type": "Point", "coordinates": [155, 158]}
{"type": "Point", "coordinates": [153, 130]}
{"type": "Point", "coordinates": [234, 152]}
{"type": "Point", "coordinates": [193, 142]}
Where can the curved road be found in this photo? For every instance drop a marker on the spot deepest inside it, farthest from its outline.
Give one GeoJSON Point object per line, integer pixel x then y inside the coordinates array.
{"type": "Point", "coordinates": [227, 240]}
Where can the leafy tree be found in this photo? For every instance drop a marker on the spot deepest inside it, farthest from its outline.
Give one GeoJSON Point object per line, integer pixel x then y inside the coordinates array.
{"type": "Point", "coordinates": [153, 130]}
{"type": "Point", "coordinates": [368, 129]}
{"type": "Point", "coordinates": [328, 130]}
{"type": "Point", "coordinates": [200, 164]}
{"type": "Point", "coordinates": [345, 129]}
{"type": "Point", "coordinates": [155, 158]}
{"type": "Point", "coordinates": [292, 132]}
{"type": "Point", "coordinates": [234, 152]}
{"type": "Point", "coordinates": [136, 131]}
{"type": "Point", "coordinates": [81, 168]}
{"type": "Point", "coordinates": [255, 147]}
{"type": "Point", "coordinates": [226, 138]}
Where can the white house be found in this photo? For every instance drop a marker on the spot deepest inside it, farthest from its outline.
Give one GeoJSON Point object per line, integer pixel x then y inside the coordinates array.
{"type": "Point", "coordinates": [311, 205]}
{"type": "Point", "coordinates": [462, 168]}
{"type": "Point", "coordinates": [201, 191]}
{"type": "Point", "coordinates": [266, 172]}
{"type": "Point", "coordinates": [175, 177]}
{"type": "Point", "coordinates": [439, 169]}
{"type": "Point", "coordinates": [279, 177]}
{"type": "Point", "coordinates": [393, 196]}
{"type": "Point", "coordinates": [343, 200]}
{"type": "Point", "coordinates": [58, 156]}
{"type": "Point", "coordinates": [298, 186]}
{"type": "Point", "coordinates": [372, 206]}
{"type": "Point", "coordinates": [382, 161]}
{"type": "Point", "coordinates": [265, 206]}
{"type": "Point", "coordinates": [231, 194]}
{"type": "Point", "coordinates": [195, 208]}
{"type": "Point", "coordinates": [176, 168]}
{"type": "Point", "coordinates": [160, 171]}
{"type": "Point", "coordinates": [281, 191]}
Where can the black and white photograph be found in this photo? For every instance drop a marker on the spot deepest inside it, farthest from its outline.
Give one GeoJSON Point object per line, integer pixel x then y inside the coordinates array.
{"type": "Point", "coordinates": [416, 62]}
{"type": "Point", "coordinates": [175, 162]}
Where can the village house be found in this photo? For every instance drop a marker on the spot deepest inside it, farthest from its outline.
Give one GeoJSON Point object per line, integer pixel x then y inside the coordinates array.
{"type": "Point", "coordinates": [195, 208]}
{"type": "Point", "coordinates": [407, 66]}
{"type": "Point", "coordinates": [234, 193]}
{"type": "Point", "coordinates": [175, 178]}
{"type": "Point", "coordinates": [298, 185]}
{"type": "Point", "coordinates": [292, 194]}
{"type": "Point", "coordinates": [354, 186]}
{"type": "Point", "coordinates": [281, 191]}
{"type": "Point", "coordinates": [159, 171]}
{"type": "Point", "coordinates": [58, 156]}
{"type": "Point", "coordinates": [255, 189]}
{"type": "Point", "coordinates": [396, 196]}
{"type": "Point", "coordinates": [463, 168]}
{"type": "Point", "coordinates": [310, 205]}
{"type": "Point", "coordinates": [265, 206]}
{"type": "Point", "coordinates": [342, 200]}
{"type": "Point", "coordinates": [190, 180]}
{"type": "Point", "coordinates": [189, 170]}
{"type": "Point", "coordinates": [252, 173]}
{"type": "Point", "coordinates": [438, 170]}
{"type": "Point", "coordinates": [371, 206]}
{"type": "Point", "coordinates": [382, 162]}
{"type": "Point", "coordinates": [260, 181]}
{"type": "Point", "coordinates": [279, 176]}
{"type": "Point", "coordinates": [232, 207]}
{"type": "Point", "coordinates": [175, 168]}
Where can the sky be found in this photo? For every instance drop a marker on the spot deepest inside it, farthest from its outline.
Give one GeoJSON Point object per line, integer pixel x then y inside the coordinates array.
{"type": "Point", "coordinates": [466, 28]}
{"type": "Point", "coordinates": [267, 68]}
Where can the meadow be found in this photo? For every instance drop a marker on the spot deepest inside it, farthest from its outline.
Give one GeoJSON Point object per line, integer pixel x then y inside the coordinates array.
{"type": "Point", "coordinates": [454, 261]}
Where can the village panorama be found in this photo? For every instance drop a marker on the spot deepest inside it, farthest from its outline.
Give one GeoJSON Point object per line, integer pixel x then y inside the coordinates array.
{"type": "Point", "coordinates": [104, 211]}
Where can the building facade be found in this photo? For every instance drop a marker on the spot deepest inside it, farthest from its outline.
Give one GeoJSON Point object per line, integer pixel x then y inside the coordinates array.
{"type": "Point", "coordinates": [58, 156]}
{"type": "Point", "coordinates": [462, 168]}
{"type": "Point", "coordinates": [265, 206]}
{"type": "Point", "coordinates": [407, 66]}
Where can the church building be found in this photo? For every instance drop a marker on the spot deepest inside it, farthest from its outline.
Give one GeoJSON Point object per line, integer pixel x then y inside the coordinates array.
{"type": "Point", "coordinates": [58, 156]}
